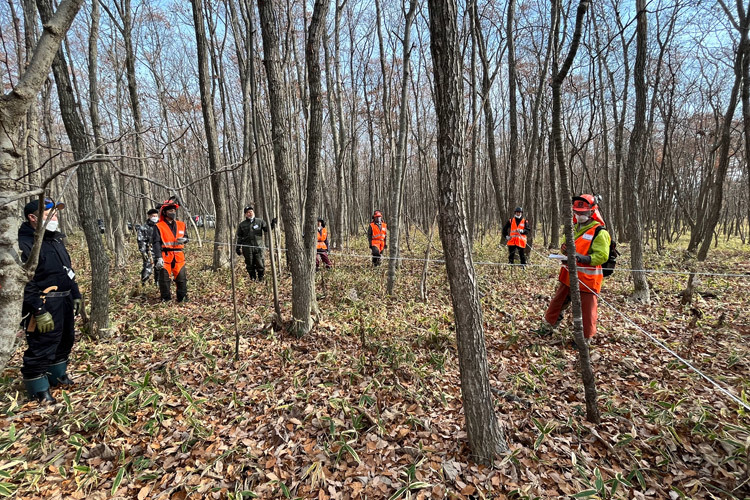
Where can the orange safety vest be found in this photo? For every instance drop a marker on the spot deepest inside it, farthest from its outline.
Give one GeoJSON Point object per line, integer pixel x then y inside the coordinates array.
{"type": "Point", "coordinates": [171, 251]}
{"type": "Point", "coordinates": [378, 236]}
{"type": "Point", "coordinates": [516, 238]}
{"type": "Point", "coordinates": [322, 237]}
{"type": "Point", "coordinates": [590, 277]}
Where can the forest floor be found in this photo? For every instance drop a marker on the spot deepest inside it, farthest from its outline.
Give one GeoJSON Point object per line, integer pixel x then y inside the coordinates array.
{"type": "Point", "coordinates": [161, 409]}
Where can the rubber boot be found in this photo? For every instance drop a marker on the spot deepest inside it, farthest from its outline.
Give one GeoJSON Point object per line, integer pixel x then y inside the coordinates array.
{"type": "Point", "coordinates": [38, 389]}
{"type": "Point", "coordinates": [58, 376]}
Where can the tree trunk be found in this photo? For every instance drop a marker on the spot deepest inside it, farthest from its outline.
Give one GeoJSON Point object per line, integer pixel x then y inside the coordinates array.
{"type": "Point", "coordinates": [13, 107]}
{"type": "Point", "coordinates": [399, 164]}
{"type": "Point", "coordinates": [636, 156]}
{"type": "Point", "coordinates": [512, 111]}
{"type": "Point", "coordinates": [486, 437]}
{"type": "Point", "coordinates": [558, 77]}
{"type": "Point", "coordinates": [220, 258]}
{"type": "Point", "coordinates": [116, 226]}
{"type": "Point", "coordinates": [489, 116]}
{"type": "Point", "coordinates": [87, 212]}
{"type": "Point", "coordinates": [297, 257]}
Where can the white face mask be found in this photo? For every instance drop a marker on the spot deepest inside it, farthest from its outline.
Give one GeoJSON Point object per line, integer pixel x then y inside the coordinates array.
{"type": "Point", "coordinates": [52, 226]}
{"type": "Point", "coordinates": [154, 219]}
{"type": "Point", "coordinates": [582, 219]}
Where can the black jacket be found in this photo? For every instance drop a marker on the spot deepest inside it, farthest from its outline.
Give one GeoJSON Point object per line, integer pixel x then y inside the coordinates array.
{"type": "Point", "coordinates": [250, 232]}
{"type": "Point", "coordinates": [54, 268]}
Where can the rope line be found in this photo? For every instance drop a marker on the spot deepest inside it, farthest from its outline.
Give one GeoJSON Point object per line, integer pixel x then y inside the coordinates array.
{"type": "Point", "coordinates": [660, 344]}
{"type": "Point", "coordinates": [498, 264]}
{"type": "Point", "coordinates": [656, 341]}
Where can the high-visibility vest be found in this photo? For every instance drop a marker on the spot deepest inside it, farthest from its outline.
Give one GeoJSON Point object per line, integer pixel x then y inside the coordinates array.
{"type": "Point", "coordinates": [378, 235]}
{"type": "Point", "coordinates": [590, 277]}
{"type": "Point", "coordinates": [516, 238]}
{"type": "Point", "coordinates": [322, 237]}
{"type": "Point", "coordinates": [171, 251]}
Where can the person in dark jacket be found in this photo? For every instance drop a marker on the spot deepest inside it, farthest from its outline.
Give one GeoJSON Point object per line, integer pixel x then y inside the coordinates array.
{"type": "Point", "coordinates": [250, 243]}
{"type": "Point", "coordinates": [514, 232]}
{"type": "Point", "coordinates": [144, 238]}
{"type": "Point", "coordinates": [51, 300]}
{"type": "Point", "coordinates": [168, 243]}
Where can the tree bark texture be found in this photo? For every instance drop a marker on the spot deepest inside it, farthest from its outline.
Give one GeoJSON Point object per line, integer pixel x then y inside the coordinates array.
{"type": "Point", "coordinates": [297, 258]}
{"type": "Point", "coordinates": [87, 211]}
{"type": "Point", "coordinates": [13, 107]}
{"type": "Point", "coordinates": [636, 156]}
{"type": "Point", "coordinates": [486, 437]}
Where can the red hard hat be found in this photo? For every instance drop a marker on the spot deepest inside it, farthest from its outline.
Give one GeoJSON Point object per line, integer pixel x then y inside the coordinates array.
{"type": "Point", "coordinates": [584, 202]}
{"type": "Point", "coordinates": [377, 214]}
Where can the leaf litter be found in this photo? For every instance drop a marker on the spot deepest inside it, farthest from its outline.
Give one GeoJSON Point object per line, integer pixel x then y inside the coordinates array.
{"type": "Point", "coordinates": [162, 410]}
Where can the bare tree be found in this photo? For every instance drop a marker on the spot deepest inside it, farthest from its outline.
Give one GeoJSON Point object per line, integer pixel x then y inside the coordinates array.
{"type": "Point", "coordinates": [559, 72]}
{"type": "Point", "coordinates": [212, 140]}
{"type": "Point", "coordinates": [13, 107]}
{"type": "Point", "coordinates": [486, 437]}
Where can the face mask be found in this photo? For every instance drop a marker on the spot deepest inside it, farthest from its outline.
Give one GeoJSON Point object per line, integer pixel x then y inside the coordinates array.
{"type": "Point", "coordinates": [518, 216]}
{"type": "Point", "coordinates": [582, 219]}
{"type": "Point", "coordinates": [170, 215]}
{"type": "Point", "coordinates": [154, 219]}
{"type": "Point", "coordinates": [52, 226]}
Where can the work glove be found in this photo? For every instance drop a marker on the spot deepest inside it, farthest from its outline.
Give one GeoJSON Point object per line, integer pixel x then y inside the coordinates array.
{"type": "Point", "coordinates": [583, 259]}
{"type": "Point", "coordinates": [507, 238]}
{"type": "Point", "coordinates": [181, 241]}
{"type": "Point", "coordinates": [239, 251]}
{"type": "Point", "coordinates": [274, 221]}
{"type": "Point", "coordinates": [159, 264]}
{"type": "Point", "coordinates": [76, 306]}
{"type": "Point", "coordinates": [45, 323]}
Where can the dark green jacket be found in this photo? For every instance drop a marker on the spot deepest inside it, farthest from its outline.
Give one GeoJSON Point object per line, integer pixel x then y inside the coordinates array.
{"type": "Point", "coordinates": [250, 232]}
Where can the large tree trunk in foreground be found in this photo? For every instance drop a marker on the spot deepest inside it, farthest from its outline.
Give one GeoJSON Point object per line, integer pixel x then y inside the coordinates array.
{"type": "Point", "coordinates": [13, 107]}
{"type": "Point", "coordinates": [298, 259]}
{"type": "Point", "coordinates": [486, 437]}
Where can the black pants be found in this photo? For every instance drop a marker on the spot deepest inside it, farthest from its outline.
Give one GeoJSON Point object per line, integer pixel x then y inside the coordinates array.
{"type": "Point", "coordinates": [254, 263]}
{"type": "Point", "coordinates": [45, 349]}
{"type": "Point", "coordinates": [376, 256]}
{"type": "Point", "coordinates": [512, 254]}
{"type": "Point", "coordinates": [165, 284]}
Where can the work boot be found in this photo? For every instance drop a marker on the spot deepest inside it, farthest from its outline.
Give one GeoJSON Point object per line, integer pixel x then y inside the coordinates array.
{"type": "Point", "coordinates": [260, 275]}
{"type": "Point", "coordinates": [58, 376]}
{"type": "Point", "coordinates": [38, 389]}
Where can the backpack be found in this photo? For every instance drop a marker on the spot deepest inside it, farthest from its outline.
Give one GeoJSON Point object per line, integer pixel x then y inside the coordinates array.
{"type": "Point", "coordinates": [609, 267]}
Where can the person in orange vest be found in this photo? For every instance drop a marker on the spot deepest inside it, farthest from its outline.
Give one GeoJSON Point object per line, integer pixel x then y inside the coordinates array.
{"type": "Point", "coordinates": [322, 247]}
{"type": "Point", "coordinates": [592, 250]}
{"type": "Point", "coordinates": [168, 244]}
{"type": "Point", "coordinates": [376, 234]}
{"type": "Point", "coordinates": [515, 233]}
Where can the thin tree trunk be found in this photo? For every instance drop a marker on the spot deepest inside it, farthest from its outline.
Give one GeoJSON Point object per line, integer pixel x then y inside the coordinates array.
{"type": "Point", "coordinates": [399, 164]}
{"type": "Point", "coordinates": [558, 77]}
{"type": "Point", "coordinates": [636, 156]}
{"type": "Point", "coordinates": [220, 258]}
